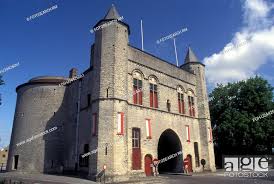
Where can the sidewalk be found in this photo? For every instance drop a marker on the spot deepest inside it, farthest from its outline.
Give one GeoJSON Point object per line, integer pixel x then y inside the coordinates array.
{"type": "Point", "coordinates": [41, 179]}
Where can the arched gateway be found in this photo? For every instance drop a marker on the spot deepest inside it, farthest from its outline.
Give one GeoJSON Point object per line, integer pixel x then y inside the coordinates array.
{"type": "Point", "coordinates": [169, 143]}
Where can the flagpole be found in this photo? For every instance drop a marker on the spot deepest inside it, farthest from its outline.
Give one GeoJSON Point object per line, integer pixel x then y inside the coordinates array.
{"type": "Point", "coordinates": [142, 34]}
{"type": "Point", "coordinates": [175, 49]}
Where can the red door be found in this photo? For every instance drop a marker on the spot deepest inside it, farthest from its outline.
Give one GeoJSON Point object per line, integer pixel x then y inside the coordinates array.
{"type": "Point", "coordinates": [148, 168]}
{"type": "Point", "coordinates": [136, 149]}
{"type": "Point", "coordinates": [189, 159]}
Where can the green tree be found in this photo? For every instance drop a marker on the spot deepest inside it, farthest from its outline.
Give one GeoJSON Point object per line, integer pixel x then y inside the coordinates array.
{"type": "Point", "coordinates": [233, 107]}
{"type": "Point", "coordinates": [1, 83]}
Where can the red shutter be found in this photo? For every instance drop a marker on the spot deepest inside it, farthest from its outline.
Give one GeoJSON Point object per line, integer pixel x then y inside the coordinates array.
{"type": "Point", "coordinates": [183, 106]}
{"type": "Point", "coordinates": [187, 133]}
{"type": "Point", "coordinates": [140, 97]}
{"type": "Point", "coordinates": [193, 107]}
{"type": "Point", "coordinates": [179, 105]}
{"type": "Point", "coordinates": [151, 98]}
{"type": "Point", "coordinates": [155, 100]}
{"type": "Point", "coordinates": [189, 106]}
{"type": "Point", "coordinates": [134, 95]}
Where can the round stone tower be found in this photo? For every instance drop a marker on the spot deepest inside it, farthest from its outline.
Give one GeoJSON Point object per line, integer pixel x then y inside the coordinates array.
{"type": "Point", "coordinates": [37, 142]}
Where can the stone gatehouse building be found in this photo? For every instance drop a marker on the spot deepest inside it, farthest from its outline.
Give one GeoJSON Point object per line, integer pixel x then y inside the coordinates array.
{"type": "Point", "coordinates": [131, 106]}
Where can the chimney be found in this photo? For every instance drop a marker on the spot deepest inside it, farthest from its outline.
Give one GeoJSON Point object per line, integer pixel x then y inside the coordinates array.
{"type": "Point", "coordinates": [73, 73]}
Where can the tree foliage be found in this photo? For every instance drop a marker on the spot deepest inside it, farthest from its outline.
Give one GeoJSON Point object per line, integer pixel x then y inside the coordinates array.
{"type": "Point", "coordinates": [232, 108]}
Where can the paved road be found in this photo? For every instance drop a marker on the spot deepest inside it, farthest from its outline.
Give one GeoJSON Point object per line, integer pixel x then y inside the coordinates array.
{"type": "Point", "coordinates": [215, 179]}
{"type": "Point", "coordinates": [209, 178]}
{"type": "Point", "coordinates": [203, 178]}
{"type": "Point", "coordinates": [41, 179]}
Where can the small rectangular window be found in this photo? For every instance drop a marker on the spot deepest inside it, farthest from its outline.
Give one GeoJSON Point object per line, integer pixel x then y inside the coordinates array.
{"type": "Point", "coordinates": [210, 134]}
{"type": "Point", "coordinates": [16, 160]}
{"type": "Point", "coordinates": [135, 138]}
{"type": "Point", "coordinates": [136, 149]}
{"type": "Point", "coordinates": [120, 123]}
{"type": "Point", "coordinates": [187, 133]}
{"type": "Point", "coordinates": [84, 162]}
{"type": "Point", "coordinates": [89, 99]}
{"type": "Point", "coordinates": [86, 148]}
{"type": "Point", "coordinates": [196, 152]}
{"type": "Point", "coordinates": [168, 105]}
{"type": "Point", "coordinates": [94, 124]}
{"type": "Point", "coordinates": [148, 128]}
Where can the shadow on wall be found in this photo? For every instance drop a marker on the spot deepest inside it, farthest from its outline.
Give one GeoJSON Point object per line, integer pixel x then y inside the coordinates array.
{"type": "Point", "coordinates": [61, 154]}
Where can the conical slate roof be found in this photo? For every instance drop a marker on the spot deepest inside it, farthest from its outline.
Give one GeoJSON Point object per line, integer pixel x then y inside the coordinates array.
{"type": "Point", "coordinates": [112, 13]}
{"type": "Point", "coordinates": [190, 56]}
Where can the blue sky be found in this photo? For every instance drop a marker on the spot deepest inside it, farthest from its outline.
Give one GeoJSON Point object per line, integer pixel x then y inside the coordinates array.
{"type": "Point", "coordinates": [57, 41]}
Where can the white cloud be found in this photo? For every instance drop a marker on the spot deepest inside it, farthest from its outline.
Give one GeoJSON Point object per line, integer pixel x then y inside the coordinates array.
{"type": "Point", "coordinates": [248, 50]}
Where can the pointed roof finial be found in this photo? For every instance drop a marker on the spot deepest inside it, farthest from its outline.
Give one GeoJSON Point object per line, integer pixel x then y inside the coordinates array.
{"type": "Point", "coordinates": [190, 56]}
{"type": "Point", "coordinates": [112, 13]}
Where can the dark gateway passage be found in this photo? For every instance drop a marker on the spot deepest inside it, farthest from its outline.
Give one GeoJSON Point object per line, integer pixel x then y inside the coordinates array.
{"type": "Point", "coordinates": [169, 143]}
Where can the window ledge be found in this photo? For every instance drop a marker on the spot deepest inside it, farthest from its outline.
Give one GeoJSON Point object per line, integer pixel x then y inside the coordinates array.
{"type": "Point", "coordinates": [136, 170]}
{"type": "Point", "coordinates": [160, 110]}
{"type": "Point", "coordinates": [140, 105]}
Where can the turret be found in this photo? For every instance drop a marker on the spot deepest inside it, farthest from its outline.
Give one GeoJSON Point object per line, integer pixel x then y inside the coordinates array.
{"type": "Point", "coordinates": [110, 51]}
{"type": "Point", "coordinates": [110, 70]}
{"type": "Point", "coordinates": [37, 141]}
{"type": "Point", "coordinates": [192, 64]}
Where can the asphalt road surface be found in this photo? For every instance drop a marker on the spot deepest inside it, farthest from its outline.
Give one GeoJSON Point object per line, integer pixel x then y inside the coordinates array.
{"type": "Point", "coordinates": [201, 178]}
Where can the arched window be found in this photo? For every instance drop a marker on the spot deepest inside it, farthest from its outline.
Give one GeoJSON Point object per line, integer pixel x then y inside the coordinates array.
{"type": "Point", "coordinates": [191, 104]}
{"type": "Point", "coordinates": [137, 88]}
{"type": "Point", "coordinates": [153, 92]}
{"type": "Point", "coordinates": [181, 101]}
